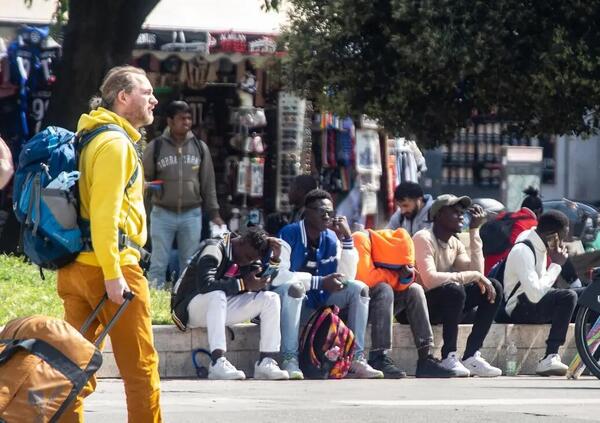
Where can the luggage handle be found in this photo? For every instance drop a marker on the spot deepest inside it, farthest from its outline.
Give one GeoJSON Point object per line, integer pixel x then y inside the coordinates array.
{"type": "Point", "coordinates": [127, 295]}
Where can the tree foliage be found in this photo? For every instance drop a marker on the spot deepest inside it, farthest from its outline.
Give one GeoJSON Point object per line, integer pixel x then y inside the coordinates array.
{"type": "Point", "coordinates": [421, 67]}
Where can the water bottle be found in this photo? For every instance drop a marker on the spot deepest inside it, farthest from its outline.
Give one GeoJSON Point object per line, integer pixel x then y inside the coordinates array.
{"type": "Point", "coordinates": [511, 359]}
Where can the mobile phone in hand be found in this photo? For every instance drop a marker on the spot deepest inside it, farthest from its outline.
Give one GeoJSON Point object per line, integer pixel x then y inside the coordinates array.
{"type": "Point", "coordinates": [553, 241]}
{"type": "Point", "coordinates": [269, 272]}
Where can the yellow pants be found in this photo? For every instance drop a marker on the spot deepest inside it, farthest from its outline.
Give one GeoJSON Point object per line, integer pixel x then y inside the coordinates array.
{"type": "Point", "coordinates": [81, 287]}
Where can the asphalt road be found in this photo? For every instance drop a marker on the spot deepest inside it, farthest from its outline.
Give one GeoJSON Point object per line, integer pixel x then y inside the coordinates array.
{"type": "Point", "coordinates": [521, 399]}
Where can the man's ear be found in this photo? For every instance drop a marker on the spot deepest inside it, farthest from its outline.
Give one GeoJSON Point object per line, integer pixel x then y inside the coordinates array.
{"type": "Point", "coordinates": [122, 96]}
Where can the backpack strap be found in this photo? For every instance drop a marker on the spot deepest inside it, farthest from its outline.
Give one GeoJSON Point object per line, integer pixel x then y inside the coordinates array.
{"type": "Point", "coordinates": [123, 239]}
{"type": "Point", "coordinates": [518, 284]}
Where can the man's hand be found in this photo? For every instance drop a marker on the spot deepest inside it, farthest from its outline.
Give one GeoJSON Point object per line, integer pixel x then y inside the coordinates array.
{"type": "Point", "coordinates": [477, 216]}
{"type": "Point", "coordinates": [333, 282]}
{"type": "Point", "coordinates": [6, 164]}
{"type": "Point", "coordinates": [275, 246]}
{"type": "Point", "coordinates": [341, 228]}
{"type": "Point", "coordinates": [253, 283]}
{"type": "Point", "coordinates": [115, 288]}
{"type": "Point", "coordinates": [487, 289]}
{"type": "Point", "coordinates": [217, 220]}
{"type": "Point", "coordinates": [558, 254]}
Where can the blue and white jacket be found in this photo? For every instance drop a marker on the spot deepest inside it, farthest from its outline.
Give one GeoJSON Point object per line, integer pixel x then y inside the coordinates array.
{"type": "Point", "coordinates": [332, 256]}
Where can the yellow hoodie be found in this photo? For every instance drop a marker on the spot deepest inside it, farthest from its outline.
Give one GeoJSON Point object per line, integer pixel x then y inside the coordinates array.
{"type": "Point", "coordinates": [106, 165]}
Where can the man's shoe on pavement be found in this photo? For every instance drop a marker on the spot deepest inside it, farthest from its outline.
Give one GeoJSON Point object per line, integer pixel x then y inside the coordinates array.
{"type": "Point", "coordinates": [479, 367]}
{"type": "Point", "coordinates": [453, 364]}
{"type": "Point", "coordinates": [360, 369]}
{"type": "Point", "coordinates": [431, 367]}
{"type": "Point", "coordinates": [551, 366]}
{"type": "Point", "coordinates": [224, 370]}
{"type": "Point", "coordinates": [268, 369]}
{"type": "Point", "coordinates": [384, 363]}
{"type": "Point", "coordinates": [291, 366]}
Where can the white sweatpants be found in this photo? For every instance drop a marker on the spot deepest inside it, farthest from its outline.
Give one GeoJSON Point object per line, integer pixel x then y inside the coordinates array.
{"type": "Point", "coordinates": [214, 311]}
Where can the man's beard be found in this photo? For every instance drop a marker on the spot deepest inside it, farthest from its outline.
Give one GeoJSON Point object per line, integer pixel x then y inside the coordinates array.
{"type": "Point", "coordinates": [411, 215]}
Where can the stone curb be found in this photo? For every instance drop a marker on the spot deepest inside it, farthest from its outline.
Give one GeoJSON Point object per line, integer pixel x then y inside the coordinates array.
{"type": "Point", "coordinates": [174, 348]}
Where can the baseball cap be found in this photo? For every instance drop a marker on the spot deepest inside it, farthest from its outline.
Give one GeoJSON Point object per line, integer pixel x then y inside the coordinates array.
{"type": "Point", "coordinates": [448, 200]}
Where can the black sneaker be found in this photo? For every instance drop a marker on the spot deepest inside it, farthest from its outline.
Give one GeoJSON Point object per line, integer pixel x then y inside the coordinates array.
{"type": "Point", "coordinates": [431, 368]}
{"type": "Point", "coordinates": [387, 366]}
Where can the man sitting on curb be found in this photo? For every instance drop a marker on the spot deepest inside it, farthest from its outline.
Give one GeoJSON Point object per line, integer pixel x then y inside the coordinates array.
{"type": "Point", "coordinates": [386, 263]}
{"type": "Point", "coordinates": [530, 297]}
{"type": "Point", "coordinates": [318, 266]}
{"type": "Point", "coordinates": [413, 208]}
{"type": "Point", "coordinates": [214, 291]}
{"type": "Point", "coordinates": [454, 283]}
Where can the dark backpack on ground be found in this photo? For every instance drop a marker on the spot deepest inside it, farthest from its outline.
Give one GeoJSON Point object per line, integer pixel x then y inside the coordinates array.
{"type": "Point", "coordinates": [496, 233]}
{"type": "Point", "coordinates": [497, 272]}
{"type": "Point", "coordinates": [52, 232]}
{"type": "Point", "coordinates": [326, 346]}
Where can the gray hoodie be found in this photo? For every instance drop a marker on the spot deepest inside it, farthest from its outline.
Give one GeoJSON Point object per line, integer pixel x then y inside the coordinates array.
{"type": "Point", "coordinates": [188, 175]}
{"type": "Point", "coordinates": [421, 220]}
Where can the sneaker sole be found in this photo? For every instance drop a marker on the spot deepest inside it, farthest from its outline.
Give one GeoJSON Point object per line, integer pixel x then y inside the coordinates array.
{"type": "Point", "coordinates": [426, 376]}
{"type": "Point", "coordinates": [222, 378]}
{"type": "Point", "coordinates": [268, 378]}
{"type": "Point", "coordinates": [394, 376]}
{"type": "Point", "coordinates": [297, 377]}
{"type": "Point", "coordinates": [553, 372]}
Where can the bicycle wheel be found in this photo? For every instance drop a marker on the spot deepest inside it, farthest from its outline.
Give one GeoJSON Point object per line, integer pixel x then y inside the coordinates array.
{"type": "Point", "coordinates": [587, 338]}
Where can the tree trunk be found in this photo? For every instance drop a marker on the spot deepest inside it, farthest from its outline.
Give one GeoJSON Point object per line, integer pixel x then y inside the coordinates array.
{"type": "Point", "coordinates": [98, 36]}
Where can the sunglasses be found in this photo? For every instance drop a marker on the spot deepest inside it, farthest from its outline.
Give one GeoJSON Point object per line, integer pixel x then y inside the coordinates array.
{"type": "Point", "coordinates": [323, 211]}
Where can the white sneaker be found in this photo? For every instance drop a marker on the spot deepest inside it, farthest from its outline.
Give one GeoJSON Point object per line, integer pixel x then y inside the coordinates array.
{"type": "Point", "coordinates": [453, 364]}
{"type": "Point", "coordinates": [224, 370]}
{"type": "Point", "coordinates": [269, 370]}
{"type": "Point", "coordinates": [291, 366]}
{"type": "Point", "coordinates": [360, 369]}
{"type": "Point", "coordinates": [551, 366]}
{"type": "Point", "coordinates": [477, 366]}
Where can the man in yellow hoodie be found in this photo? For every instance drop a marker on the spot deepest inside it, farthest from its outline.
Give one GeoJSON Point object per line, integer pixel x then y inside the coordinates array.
{"type": "Point", "coordinates": [112, 200]}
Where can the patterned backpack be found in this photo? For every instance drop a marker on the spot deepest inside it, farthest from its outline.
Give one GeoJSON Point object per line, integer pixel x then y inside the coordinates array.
{"type": "Point", "coordinates": [327, 345]}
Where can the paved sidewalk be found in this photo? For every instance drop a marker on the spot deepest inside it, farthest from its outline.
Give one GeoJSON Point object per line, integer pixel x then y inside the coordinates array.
{"type": "Point", "coordinates": [522, 399]}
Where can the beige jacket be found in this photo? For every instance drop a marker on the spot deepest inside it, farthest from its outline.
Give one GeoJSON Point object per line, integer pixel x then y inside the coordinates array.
{"type": "Point", "coordinates": [439, 263]}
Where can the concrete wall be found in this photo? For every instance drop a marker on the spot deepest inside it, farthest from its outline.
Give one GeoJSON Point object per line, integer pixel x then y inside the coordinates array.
{"type": "Point", "coordinates": [174, 348]}
{"type": "Point", "coordinates": [577, 169]}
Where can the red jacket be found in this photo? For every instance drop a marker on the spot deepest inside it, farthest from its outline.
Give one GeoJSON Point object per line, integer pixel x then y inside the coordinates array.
{"type": "Point", "coordinates": [524, 219]}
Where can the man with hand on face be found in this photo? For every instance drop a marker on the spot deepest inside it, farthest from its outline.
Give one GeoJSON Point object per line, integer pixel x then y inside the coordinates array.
{"type": "Point", "coordinates": [184, 165]}
{"type": "Point", "coordinates": [318, 267]}
{"type": "Point", "coordinates": [529, 295]}
{"type": "Point", "coordinates": [220, 288]}
{"type": "Point", "coordinates": [413, 208]}
{"type": "Point", "coordinates": [454, 283]}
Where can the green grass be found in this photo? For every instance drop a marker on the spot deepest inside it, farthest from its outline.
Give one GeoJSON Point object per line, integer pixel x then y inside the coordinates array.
{"type": "Point", "coordinates": [23, 292]}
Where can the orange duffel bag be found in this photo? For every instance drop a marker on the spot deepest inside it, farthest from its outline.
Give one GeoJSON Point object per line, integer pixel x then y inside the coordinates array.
{"type": "Point", "coordinates": [44, 363]}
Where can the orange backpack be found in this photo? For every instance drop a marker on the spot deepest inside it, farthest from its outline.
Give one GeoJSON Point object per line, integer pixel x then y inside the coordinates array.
{"type": "Point", "coordinates": [44, 364]}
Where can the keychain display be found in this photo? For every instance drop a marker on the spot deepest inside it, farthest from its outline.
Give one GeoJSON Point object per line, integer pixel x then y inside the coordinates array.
{"type": "Point", "coordinates": [257, 169]}
{"type": "Point", "coordinates": [291, 140]}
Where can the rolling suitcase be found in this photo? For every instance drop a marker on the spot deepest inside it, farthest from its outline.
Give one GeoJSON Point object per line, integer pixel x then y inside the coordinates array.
{"type": "Point", "coordinates": [45, 363]}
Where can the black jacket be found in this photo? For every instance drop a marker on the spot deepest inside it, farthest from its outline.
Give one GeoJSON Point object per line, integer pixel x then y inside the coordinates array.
{"type": "Point", "coordinates": [205, 273]}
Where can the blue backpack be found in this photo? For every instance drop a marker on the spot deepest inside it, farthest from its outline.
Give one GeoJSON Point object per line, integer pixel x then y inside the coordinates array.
{"type": "Point", "coordinates": [52, 232]}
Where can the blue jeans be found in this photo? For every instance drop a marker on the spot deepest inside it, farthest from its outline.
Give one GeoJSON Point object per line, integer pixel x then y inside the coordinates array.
{"type": "Point", "coordinates": [295, 312]}
{"type": "Point", "coordinates": [165, 225]}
